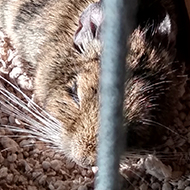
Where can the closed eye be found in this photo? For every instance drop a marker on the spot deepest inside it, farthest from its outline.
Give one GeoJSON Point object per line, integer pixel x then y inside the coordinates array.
{"type": "Point", "coordinates": [73, 92]}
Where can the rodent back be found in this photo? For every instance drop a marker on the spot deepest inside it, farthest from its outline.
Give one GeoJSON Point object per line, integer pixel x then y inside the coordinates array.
{"type": "Point", "coordinates": [45, 22]}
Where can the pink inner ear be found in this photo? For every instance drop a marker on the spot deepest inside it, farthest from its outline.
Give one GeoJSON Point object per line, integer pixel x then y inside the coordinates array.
{"type": "Point", "coordinates": [93, 28]}
{"type": "Point", "coordinates": [79, 27]}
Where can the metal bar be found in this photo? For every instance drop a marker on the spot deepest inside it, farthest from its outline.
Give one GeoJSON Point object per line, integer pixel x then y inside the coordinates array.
{"type": "Point", "coordinates": [118, 24]}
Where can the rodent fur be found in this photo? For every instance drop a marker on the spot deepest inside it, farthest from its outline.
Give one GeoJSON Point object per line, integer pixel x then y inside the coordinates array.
{"type": "Point", "coordinates": [67, 81]}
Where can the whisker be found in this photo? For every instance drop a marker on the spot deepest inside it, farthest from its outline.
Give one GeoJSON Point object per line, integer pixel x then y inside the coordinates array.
{"type": "Point", "coordinates": [148, 122]}
{"type": "Point", "coordinates": [156, 85]}
{"type": "Point", "coordinates": [123, 167]}
{"type": "Point", "coordinates": [38, 123]}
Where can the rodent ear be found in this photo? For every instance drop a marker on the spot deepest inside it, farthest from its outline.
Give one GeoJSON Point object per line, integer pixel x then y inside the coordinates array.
{"type": "Point", "coordinates": [165, 33]}
{"type": "Point", "coordinates": [89, 25]}
{"type": "Point", "coordinates": [158, 22]}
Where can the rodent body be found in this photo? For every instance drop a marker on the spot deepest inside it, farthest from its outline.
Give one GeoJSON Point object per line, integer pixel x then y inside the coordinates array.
{"type": "Point", "coordinates": [67, 80]}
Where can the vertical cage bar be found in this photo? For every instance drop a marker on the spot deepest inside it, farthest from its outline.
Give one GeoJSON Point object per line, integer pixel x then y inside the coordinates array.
{"type": "Point", "coordinates": [118, 24]}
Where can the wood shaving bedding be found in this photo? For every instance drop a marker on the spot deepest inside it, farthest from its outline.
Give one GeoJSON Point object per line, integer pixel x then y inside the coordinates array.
{"type": "Point", "coordinates": [29, 164]}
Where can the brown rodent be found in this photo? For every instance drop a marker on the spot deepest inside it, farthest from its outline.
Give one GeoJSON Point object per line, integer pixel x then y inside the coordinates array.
{"type": "Point", "coordinates": [66, 65]}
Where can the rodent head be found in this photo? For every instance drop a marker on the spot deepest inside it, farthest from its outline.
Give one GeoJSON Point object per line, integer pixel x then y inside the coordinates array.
{"type": "Point", "coordinates": [70, 92]}
{"type": "Point", "coordinates": [68, 87]}
{"type": "Point", "coordinates": [71, 95]}
{"type": "Point", "coordinates": [79, 114]}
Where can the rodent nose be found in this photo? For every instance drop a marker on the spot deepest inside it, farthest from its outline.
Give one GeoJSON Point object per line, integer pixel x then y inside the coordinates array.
{"type": "Point", "coordinates": [88, 162]}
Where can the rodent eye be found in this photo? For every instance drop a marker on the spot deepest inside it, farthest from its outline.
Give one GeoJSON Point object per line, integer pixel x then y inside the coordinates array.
{"type": "Point", "coordinates": [73, 92]}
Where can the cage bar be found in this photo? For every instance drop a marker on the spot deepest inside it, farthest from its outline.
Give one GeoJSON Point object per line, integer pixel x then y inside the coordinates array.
{"type": "Point", "coordinates": [118, 24]}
